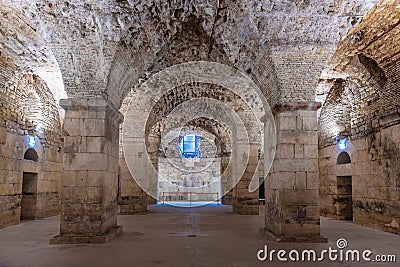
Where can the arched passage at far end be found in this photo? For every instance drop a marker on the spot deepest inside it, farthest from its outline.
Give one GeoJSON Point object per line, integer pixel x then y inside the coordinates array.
{"type": "Point", "coordinates": [196, 75]}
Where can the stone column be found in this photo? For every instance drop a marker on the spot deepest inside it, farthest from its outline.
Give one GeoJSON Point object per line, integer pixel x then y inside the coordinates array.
{"type": "Point", "coordinates": [132, 198]}
{"type": "Point", "coordinates": [226, 179]}
{"type": "Point", "coordinates": [90, 175]}
{"type": "Point", "coordinates": [243, 201]}
{"type": "Point", "coordinates": [291, 188]}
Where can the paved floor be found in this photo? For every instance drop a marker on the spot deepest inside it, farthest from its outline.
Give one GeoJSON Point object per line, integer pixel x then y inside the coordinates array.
{"type": "Point", "coordinates": [170, 236]}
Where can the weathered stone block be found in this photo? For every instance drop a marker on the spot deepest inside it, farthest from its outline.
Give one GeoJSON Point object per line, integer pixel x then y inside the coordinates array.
{"type": "Point", "coordinates": [299, 197]}
{"type": "Point", "coordinates": [310, 123]}
{"type": "Point", "coordinates": [93, 127]}
{"type": "Point", "coordinates": [86, 161]}
{"type": "Point", "coordinates": [304, 165]}
{"type": "Point", "coordinates": [312, 180]}
{"type": "Point", "coordinates": [299, 151]}
{"type": "Point", "coordinates": [287, 121]}
{"type": "Point", "coordinates": [285, 151]}
{"type": "Point", "coordinates": [95, 144]}
{"type": "Point", "coordinates": [301, 180]}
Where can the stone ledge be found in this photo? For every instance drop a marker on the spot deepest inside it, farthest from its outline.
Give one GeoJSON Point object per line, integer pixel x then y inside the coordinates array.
{"type": "Point", "coordinates": [97, 239]}
{"type": "Point", "coordinates": [291, 106]}
{"type": "Point", "coordinates": [92, 104]}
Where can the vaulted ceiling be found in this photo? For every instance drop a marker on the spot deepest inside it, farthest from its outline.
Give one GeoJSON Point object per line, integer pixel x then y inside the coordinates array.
{"type": "Point", "coordinates": [106, 47]}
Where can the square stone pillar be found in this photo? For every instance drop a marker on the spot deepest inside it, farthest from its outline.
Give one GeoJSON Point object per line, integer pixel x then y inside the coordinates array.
{"type": "Point", "coordinates": [226, 180]}
{"type": "Point", "coordinates": [90, 175]}
{"type": "Point", "coordinates": [291, 188]}
{"type": "Point", "coordinates": [243, 201]}
{"type": "Point", "coordinates": [132, 198]}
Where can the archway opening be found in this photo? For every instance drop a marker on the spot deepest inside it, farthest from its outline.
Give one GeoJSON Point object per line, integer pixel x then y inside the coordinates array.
{"type": "Point", "coordinates": [343, 158]}
{"type": "Point", "coordinates": [31, 154]}
{"type": "Point", "coordinates": [29, 196]}
{"type": "Point", "coordinates": [192, 174]}
{"type": "Point", "coordinates": [344, 191]}
{"type": "Point", "coordinates": [345, 198]}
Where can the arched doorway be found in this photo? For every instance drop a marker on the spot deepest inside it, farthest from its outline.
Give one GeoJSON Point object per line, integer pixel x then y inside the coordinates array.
{"type": "Point", "coordinates": [29, 188]}
{"type": "Point", "coordinates": [189, 170]}
{"type": "Point", "coordinates": [29, 196]}
{"type": "Point", "coordinates": [344, 190]}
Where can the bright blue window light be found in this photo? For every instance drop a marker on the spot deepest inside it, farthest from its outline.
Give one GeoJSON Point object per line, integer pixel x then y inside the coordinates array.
{"type": "Point", "coordinates": [343, 144]}
{"type": "Point", "coordinates": [189, 146]}
{"type": "Point", "coordinates": [31, 141]}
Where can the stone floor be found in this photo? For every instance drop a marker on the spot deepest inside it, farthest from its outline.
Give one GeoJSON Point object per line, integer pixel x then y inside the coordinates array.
{"type": "Point", "coordinates": [171, 236]}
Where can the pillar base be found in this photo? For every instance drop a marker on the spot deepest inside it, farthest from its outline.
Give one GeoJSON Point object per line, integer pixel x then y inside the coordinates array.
{"type": "Point", "coordinates": [133, 209]}
{"type": "Point", "coordinates": [96, 239]}
{"type": "Point", "coordinates": [246, 209]}
{"type": "Point", "coordinates": [297, 239]}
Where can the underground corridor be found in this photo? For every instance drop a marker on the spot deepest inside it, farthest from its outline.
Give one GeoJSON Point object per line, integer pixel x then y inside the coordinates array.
{"type": "Point", "coordinates": [199, 133]}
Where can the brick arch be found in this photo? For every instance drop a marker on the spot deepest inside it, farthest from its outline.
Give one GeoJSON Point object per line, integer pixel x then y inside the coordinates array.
{"type": "Point", "coordinates": [221, 132]}
{"type": "Point", "coordinates": [31, 154]}
{"type": "Point", "coordinates": [30, 107]}
{"type": "Point", "coordinates": [132, 66]}
{"type": "Point", "coordinates": [35, 91]}
{"type": "Point", "coordinates": [365, 50]}
{"type": "Point", "coordinates": [169, 146]}
{"type": "Point", "coordinates": [185, 92]}
{"type": "Point", "coordinates": [113, 46]}
{"type": "Point", "coordinates": [218, 129]}
{"type": "Point", "coordinates": [335, 115]}
{"type": "Point", "coordinates": [149, 93]}
{"type": "Point", "coordinates": [21, 36]}
{"type": "Point", "coordinates": [137, 58]}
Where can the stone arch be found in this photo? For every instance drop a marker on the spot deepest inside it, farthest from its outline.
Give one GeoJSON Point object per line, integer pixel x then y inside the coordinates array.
{"type": "Point", "coordinates": [138, 56]}
{"type": "Point", "coordinates": [22, 36]}
{"type": "Point", "coordinates": [222, 133]}
{"type": "Point", "coordinates": [374, 70]}
{"type": "Point", "coordinates": [335, 115]}
{"type": "Point", "coordinates": [202, 72]}
{"type": "Point", "coordinates": [185, 92]}
{"type": "Point", "coordinates": [219, 130]}
{"type": "Point", "coordinates": [356, 46]}
{"type": "Point", "coordinates": [37, 108]}
{"type": "Point", "coordinates": [152, 90]}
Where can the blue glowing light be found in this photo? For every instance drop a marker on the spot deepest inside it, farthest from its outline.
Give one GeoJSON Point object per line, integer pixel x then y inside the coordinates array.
{"type": "Point", "coordinates": [31, 141]}
{"type": "Point", "coordinates": [189, 146]}
{"type": "Point", "coordinates": [343, 144]}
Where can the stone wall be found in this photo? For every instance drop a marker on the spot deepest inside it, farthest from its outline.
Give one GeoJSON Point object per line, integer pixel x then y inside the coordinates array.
{"type": "Point", "coordinates": [20, 118]}
{"type": "Point", "coordinates": [374, 169]}
{"type": "Point", "coordinates": [364, 108]}
{"type": "Point", "coordinates": [179, 176]}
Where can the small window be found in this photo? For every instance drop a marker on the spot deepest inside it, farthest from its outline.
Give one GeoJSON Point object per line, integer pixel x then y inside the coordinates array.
{"type": "Point", "coordinates": [189, 146]}
{"type": "Point", "coordinates": [31, 154]}
{"type": "Point", "coordinates": [343, 158]}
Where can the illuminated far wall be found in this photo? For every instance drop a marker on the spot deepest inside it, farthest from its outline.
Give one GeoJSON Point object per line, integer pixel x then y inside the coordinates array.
{"type": "Point", "coordinates": [189, 179]}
